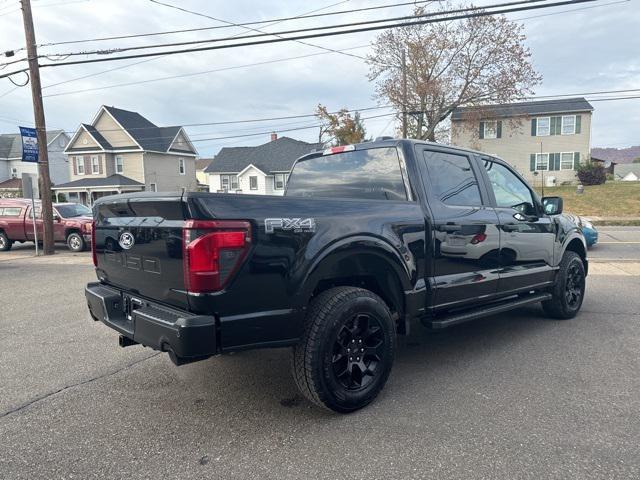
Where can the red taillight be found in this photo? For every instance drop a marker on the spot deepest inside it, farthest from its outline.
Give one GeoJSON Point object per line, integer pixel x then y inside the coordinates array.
{"type": "Point", "coordinates": [213, 251]}
{"type": "Point", "coordinates": [478, 238]}
{"type": "Point", "coordinates": [94, 254]}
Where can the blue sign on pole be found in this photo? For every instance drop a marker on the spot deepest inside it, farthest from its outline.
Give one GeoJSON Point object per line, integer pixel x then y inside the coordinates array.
{"type": "Point", "coordinates": [29, 144]}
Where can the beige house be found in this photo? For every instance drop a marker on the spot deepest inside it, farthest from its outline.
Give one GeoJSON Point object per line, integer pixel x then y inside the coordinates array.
{"type": "Point", "coordinates": [121, 151]}
{"type": "Point", "coordinates": [201, 175]}
{"type": "Point", "coordinates": [544, 140]}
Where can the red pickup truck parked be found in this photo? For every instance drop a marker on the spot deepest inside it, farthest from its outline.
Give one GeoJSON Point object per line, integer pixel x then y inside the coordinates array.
{"type": "Point", "coordinates": [71, 223]}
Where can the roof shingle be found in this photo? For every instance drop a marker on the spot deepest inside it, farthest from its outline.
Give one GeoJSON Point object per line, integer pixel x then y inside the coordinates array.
{"type": "Point", "coordinates": [275, 156]}
{"type": "Point", "coordinates": [112, 180]}
{"type": "Point", "coordinates": [147, 134]}
{"type": "Point", "coordinates": [539, 107]}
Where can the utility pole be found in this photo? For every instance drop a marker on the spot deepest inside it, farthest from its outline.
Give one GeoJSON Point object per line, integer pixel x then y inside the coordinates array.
{"type": "Point", "coordinates": [41, 129]}
{"type": "Point", "coordinates": [404, 93]}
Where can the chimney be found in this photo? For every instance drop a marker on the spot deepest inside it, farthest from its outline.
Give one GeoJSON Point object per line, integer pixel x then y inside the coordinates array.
{"type": "Point", "coordinates": [274, 136]}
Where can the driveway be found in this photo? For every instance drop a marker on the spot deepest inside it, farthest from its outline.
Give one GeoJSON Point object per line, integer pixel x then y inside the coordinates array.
{"type": "Point", "coordinates": [511, 396]}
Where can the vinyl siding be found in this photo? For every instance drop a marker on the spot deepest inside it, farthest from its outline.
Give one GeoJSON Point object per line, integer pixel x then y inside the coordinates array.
{"type": "Point", "coordinates": [58, 166]}
{"type": "Point", "coordinates": [245, 184]}
{"type": "Point", "coordinates": [86, 159]}
{"type": "Point", "coordinates": [163, 170]}
{"type": "Point", "coordinates": [202, 177]}
{"type": "Point", "coordinates": [180, 143]}
{"type": "Point", "coordinates": [84, 140]}
{"type": "Point", "coordinates": [110, 130]}
{"type": "Point", "coordinates": [517, 144]}
{"type": "Point", "coordinates": [265, 183]}
{"type": "Point", "coordinates": [133, 166]}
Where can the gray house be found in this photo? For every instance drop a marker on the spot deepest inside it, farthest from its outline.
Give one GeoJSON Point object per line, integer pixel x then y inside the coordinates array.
{"type": "Point", "coordinates": [121, 151]}
{"type": "Point", "coordinates": [12, 166]}
{"type": "Point", "coordinates": [261, 170]}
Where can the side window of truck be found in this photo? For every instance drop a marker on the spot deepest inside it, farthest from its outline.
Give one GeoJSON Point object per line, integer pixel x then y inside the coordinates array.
{"type": "Point", "coordinates": [10, 211]}
{"type": "Point", "coordinates": [509, 190]}
{"type": "Point", "coordinates": [452, 179]}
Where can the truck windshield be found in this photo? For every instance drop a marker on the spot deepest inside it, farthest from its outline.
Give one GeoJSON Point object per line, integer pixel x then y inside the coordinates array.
{"type": "Point", "coordinates": [369, 174]}
{"type": "Point", "coordinates": [69, 211]}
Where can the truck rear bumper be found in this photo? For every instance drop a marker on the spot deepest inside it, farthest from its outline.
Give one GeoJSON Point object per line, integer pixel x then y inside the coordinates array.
{"type": "Point", "coordinates": [185, 336]}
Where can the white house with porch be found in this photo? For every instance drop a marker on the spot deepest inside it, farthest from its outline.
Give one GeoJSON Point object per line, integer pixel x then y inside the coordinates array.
{"type": "Point", "coordinates": [260, 170]}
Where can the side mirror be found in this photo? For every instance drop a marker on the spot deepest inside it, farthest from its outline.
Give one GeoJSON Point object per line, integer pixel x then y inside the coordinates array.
{"type": "Point", "coordinates": [56, 217]}
{"type": "Point", "coordinates": [552, 205]}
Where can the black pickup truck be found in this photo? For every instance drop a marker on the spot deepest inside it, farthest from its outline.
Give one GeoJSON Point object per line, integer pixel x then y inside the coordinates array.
{"type": "Point", "coordinates": [367, 239]}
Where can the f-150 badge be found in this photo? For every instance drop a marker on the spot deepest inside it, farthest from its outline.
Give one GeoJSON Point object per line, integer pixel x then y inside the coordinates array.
{"type": "Point", "coordinates": [296, 225]}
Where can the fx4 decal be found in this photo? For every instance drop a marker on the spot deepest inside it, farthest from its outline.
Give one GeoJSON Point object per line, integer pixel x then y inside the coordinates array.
{"type": "Point", "coordinates": [296, 225]}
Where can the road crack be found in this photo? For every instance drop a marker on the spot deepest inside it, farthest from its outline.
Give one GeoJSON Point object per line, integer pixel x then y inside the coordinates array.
{"type": "Point", "coordinates": [74, 385]}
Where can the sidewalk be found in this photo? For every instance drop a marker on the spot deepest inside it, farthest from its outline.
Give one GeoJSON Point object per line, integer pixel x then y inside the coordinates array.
{"type": "Point", "coordinates": [611, 221]}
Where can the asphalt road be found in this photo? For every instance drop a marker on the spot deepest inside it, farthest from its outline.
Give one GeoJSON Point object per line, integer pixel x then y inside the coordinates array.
{"type": "Point", "coordinates": [617, 243]}
{"type": "Point", "coordinates": [511, 396]}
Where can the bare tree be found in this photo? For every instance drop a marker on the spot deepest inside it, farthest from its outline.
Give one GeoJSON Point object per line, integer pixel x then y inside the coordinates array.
{"type": "Point", "coordinates": [339, 128]}
{"type": "Point", "coordinates": [472, 62]}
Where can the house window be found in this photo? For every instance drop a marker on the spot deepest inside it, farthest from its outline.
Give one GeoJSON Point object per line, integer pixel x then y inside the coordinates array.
{"type": "Point", "coordinates": [568, 124]}
{"type": "Point", "coordinates": [490, 129]}
{"type": "Point", "coordinates": [95, 165]}
{"type": "Point", "coordinates": [566, 161]}
{"type": "Point", "coordinates": [153, 187]}
{"type": "Point", "coordinates": [543, 126]}
{"type": "Point", "coordinates": [253, 182]}
{"type": "Point", "coordinates": [119, 164]}
{"type": "Point", "coordinates": [229, 182]}
{"type": "Point", "coordinates": [181, 166]}
{"type": "Point", "coordinates": [280, 180]}
{"type": "Point", "coordinates": [14, 172]}
{"type": "Point", "coordinates": [80, 165]}
{"type": "Point", "coordinates": [542, 161]}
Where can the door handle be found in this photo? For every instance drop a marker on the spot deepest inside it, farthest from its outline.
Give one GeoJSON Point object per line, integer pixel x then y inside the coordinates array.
{"type": "Point", "coordinates": [449, 227]}
{"type": "Point", "coordinates": [510, 227]}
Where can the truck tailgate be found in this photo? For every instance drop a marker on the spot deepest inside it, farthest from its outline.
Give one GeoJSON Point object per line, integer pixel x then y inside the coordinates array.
{"type": "Point", "coordinates": [138, 243]}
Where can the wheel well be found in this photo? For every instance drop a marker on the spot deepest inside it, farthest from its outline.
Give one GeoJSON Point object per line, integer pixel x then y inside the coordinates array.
{"type": "Point", "coordinates": [70, 231]}
{"type": "Point", "coordinates": [577, 246]}
{"type": "Point", "coordinates": [371, 273]}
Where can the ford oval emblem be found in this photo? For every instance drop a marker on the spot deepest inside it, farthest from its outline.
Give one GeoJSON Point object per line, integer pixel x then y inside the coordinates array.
{"type": "Point", "coordinates": [126, 240]}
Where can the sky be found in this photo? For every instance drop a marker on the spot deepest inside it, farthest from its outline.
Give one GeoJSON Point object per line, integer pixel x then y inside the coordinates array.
{"type": "Point", "coordinates": [578, 51]}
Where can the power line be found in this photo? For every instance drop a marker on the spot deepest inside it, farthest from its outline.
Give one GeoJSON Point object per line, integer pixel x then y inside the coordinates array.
{"type": "Point", "coordinates": [241, 66]}
{"type": "Point", "coordinates": [569, 10]}
{"type": "Point", "coordinates": [217, 27]}
{"type": "Point", "coordinates": [309, 29]}
{"type": "Point", "coordinates": [601, 92]}
{"type": "Point", "coordinates": [315, 35]}
{"type": "Point", "coordinates": [157, 58]}
{"type": "Point", "coordinates": [261, 32]}
{"type": "Point", "coordinates": [171, 77]}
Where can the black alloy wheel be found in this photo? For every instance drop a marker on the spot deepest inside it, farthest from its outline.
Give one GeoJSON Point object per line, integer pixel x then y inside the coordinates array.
{"type": "Point", "coordinates": [358, 351]}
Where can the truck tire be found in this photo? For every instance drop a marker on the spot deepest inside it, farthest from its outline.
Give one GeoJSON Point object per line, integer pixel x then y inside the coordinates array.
{"type": "Point", "coordinates": [346, 353]}
{"type": "Point", "coordinates": [568, 292]}
{"type": "Point", "coordinates": [75, 242]}
{"type": "Point", "coordinates": [5, 243]}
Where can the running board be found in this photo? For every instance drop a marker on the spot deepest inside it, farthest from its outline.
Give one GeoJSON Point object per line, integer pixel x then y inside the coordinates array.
{"type": "Point", "coordinates": [456, 318]}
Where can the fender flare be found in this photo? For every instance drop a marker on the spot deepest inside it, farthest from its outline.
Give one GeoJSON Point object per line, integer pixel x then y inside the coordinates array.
{"type": "Point", "coordinates": [324, 264]}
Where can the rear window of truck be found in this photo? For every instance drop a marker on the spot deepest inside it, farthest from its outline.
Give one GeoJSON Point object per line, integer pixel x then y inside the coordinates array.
{"type": "Point", "coordinates": [372, 174]}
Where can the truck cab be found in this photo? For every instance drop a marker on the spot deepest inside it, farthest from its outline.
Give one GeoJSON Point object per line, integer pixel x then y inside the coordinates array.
{"type": "Point", "coordinates": [71, 223]}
